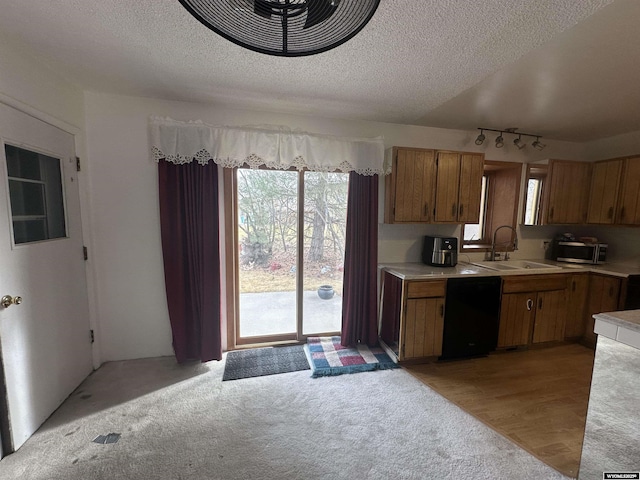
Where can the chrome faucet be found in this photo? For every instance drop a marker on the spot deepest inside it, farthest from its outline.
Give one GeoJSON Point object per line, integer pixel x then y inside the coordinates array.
{"type": "Point", "coordinates": [493, 245]}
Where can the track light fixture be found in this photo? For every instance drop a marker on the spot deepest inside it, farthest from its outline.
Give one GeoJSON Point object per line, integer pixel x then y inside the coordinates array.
{"type": "Point", "coordinates": [518, 142]}
{"type": "Point", "coordinates": [537, 144]}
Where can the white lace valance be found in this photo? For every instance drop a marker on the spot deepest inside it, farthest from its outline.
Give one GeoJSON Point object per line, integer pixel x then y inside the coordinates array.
{"type": "Point", "coordinates": [184, 142]}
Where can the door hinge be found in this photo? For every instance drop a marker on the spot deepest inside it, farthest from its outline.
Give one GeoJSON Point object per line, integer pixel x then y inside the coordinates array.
{"type": "Point", "coordinates": [77, 164]}
{"type": "Point", "coordinates": [85, 253]}
{"type": "Point", "coordinates": [93, 337]}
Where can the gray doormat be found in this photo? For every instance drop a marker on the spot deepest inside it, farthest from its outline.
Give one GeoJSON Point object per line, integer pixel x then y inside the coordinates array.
{"type": "Point", "coordinates": [264, 361]}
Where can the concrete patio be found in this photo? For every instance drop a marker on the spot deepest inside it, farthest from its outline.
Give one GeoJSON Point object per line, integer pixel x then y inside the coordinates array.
{"type": "Point", "coordinates": [274, 313]}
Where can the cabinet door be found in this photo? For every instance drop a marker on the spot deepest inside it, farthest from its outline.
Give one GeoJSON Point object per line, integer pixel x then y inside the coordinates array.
{"type": "Point", "coordinates": [447, 186]}
{"type": "Point", "coordinates": [576, 304]}
{"type": "Point", "coordinates": [423, 327]}
{"type": "Point", "coordinates": [605, 179]}
{"type": "Point", "coordinates": [550, 316]}
{"type": "Point", "coordinates": [629, 205]}
{"type": "Point", "coordinates": [415, 177]}
{"type": "Point", "coordinates": [604, 292]}
{"type": "Point", "coordinates": [517, 311]}
{"type": "Point", "coordinates": [568, 192]}
{"type": "Point", "coordinates": [470, 189]}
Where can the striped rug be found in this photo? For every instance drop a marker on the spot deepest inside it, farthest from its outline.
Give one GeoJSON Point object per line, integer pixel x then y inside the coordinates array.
{"type": "Point", "coordinates": [327, 357]}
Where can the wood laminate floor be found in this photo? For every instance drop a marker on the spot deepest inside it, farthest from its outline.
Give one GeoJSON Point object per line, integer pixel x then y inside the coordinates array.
{"type": "Point", "coordinates": [537, 398]}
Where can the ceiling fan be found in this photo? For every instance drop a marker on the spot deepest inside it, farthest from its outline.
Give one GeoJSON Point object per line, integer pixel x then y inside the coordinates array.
{"type": "Point", "coordinates": [287, 28]}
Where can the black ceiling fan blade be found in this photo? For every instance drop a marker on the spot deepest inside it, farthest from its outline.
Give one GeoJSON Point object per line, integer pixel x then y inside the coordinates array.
{"type": "Point", "coordinates": [318, 11]}
{"type": "Point", "coordinates": [262, 8]}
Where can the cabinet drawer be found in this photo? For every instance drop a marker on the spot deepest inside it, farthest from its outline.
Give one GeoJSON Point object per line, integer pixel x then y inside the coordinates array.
{"type": "Point", "coordinates": [534, 283]}
{"type": "Point", "coordinates": [425, 289]}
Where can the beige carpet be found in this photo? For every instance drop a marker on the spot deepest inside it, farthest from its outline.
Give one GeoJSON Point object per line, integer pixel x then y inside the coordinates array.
{"type": "Point", "coordinates": [184, 423]}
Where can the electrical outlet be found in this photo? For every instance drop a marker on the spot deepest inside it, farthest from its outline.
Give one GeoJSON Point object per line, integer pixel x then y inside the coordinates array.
{"type": "Point", "coordinates": [545, 244]}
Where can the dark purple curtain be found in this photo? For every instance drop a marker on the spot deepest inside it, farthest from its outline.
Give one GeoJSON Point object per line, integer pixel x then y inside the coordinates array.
{"type": "Point", "coordinates": [190, 247]}
{"type": "Point", "coordinates": [359, 303]}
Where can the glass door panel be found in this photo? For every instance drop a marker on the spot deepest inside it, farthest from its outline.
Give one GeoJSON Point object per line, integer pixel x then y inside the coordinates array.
{"type": "Point", "coordinates": [324, 226]}
{"type": "Point", "coordinates": [267, 216]}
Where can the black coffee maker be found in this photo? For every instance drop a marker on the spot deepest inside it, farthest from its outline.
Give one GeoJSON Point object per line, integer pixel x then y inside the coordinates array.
{"type": "Point", "coordinates": [440, 251]}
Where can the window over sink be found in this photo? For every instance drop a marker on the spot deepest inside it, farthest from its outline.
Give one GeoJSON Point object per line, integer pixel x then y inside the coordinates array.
{"type": "Point", "coordinates": [500, 197]}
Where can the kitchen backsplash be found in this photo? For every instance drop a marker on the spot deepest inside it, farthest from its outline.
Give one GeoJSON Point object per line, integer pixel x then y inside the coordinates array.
{"type": "Point", "coordinates": [403, 243]}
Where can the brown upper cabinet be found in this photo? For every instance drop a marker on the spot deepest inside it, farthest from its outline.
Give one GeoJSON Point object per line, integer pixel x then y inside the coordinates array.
{"type": "Point", "coordinates": [410, 188]}
{"type": "Point", "coordinates": [428, 186]}
{"type": "Point", "coordinates": [605, 182]}
{"type": "Point", "coordinates": [458, 187]}
{"type": "Point", "coordinates": [628, 212]}
{"type": "Point", "coordinates": [568, 193]}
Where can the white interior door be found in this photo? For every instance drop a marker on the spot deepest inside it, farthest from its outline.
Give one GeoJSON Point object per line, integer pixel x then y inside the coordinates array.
{"type": "Point", "coordinates": [45, 340]}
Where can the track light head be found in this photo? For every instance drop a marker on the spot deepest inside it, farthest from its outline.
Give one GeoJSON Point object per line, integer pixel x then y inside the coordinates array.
{"type": "Point", "coordinates": [481, 138]}
{"type": "Point", "coordinates": [537, 144]}
{"type": "Point", "coordinates": [519, 143]}
{"type": "Point", "coordinates": [499, 141]}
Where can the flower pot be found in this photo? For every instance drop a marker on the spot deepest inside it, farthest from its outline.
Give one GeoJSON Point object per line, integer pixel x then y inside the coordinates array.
{"type": "Point", "coordinates": [325, 292]}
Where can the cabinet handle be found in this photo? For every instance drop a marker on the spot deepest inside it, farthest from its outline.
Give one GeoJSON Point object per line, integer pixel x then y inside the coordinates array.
{"type": "Point", "coordinates": [461, 210]}
{"type": "Point", "coordinates": [610, 213]}
{"type": "Point", "coordinates": [426, 209]}
{"type": "Point", "coordinates": [540, 303]}
{"type": "Point", "coordinates": [442, 310]}
{"type": "Point", "coordinates": [529, 304]}
{"type": "Point", "coordinates": [551, 213]}
{"type": "Point", "coordinates": [622, 213]}
{"type": "Point", "coordinates": [611, 291]}
{"type": "Point", "coordinates": [453, 210]}
{"type": "Point", "coordinates": [573, 286]}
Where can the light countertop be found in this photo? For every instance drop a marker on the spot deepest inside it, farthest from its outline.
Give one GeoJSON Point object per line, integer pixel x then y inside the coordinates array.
{"type": "Point", "coordinates": [622, 326]}
{"type": "Point", "coordinates": [418, 271]}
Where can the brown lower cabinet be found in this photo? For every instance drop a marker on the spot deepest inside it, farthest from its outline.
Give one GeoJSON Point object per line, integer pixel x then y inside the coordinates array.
{"type": "Point", "coordinates": [532, 310]}
{"type": "Point", "coordinates": [412, 317]}
{"type": "Point", "coordinates": [577, 292]}
{"type": "Point", "coordinates": [423, 320]}
{"type": "Point", "coordinates": [604, 296]}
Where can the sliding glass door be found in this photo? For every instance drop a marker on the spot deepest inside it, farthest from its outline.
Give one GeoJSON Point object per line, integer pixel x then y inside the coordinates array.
{"type": "Point", "coordinates": [290, 232]}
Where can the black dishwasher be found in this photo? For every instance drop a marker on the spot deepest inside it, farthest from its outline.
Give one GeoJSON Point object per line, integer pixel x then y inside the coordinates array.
{"type": "Point", "coordinates": [632, 301]}
{"type": "Point", "coordinates": [471, 317]}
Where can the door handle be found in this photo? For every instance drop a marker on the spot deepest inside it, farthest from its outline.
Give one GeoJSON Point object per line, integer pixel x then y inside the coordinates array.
{"type": "Point", "coordinates": [8, 300]}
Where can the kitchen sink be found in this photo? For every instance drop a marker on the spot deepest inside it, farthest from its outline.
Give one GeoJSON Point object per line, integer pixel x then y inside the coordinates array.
{"type": "Point", "coordinates": [515, 265]}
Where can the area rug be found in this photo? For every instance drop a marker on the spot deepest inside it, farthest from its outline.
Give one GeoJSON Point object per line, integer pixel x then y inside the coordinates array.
{"type": "Point", "coordinates": [327, 357]}
{"type": "Point", "coordinates": [258, 362]}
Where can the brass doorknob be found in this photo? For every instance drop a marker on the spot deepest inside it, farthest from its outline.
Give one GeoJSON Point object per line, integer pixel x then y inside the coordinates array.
{"type": "Point", "coordinates": [8, 300]}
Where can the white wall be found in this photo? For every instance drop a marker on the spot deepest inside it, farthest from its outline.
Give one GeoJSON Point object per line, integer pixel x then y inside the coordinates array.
{"type": "Point", "coordinates": [125, 223]}
{"type": "Point", "coordinates": [25, 81]}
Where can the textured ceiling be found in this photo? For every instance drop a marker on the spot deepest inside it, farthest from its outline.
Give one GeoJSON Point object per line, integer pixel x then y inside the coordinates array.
{"type": "Point", "coordinates": [566, 69]}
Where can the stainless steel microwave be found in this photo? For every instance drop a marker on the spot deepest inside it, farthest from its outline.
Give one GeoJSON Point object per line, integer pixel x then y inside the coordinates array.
{"type": "Point", "coordinates": [579, 252]}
